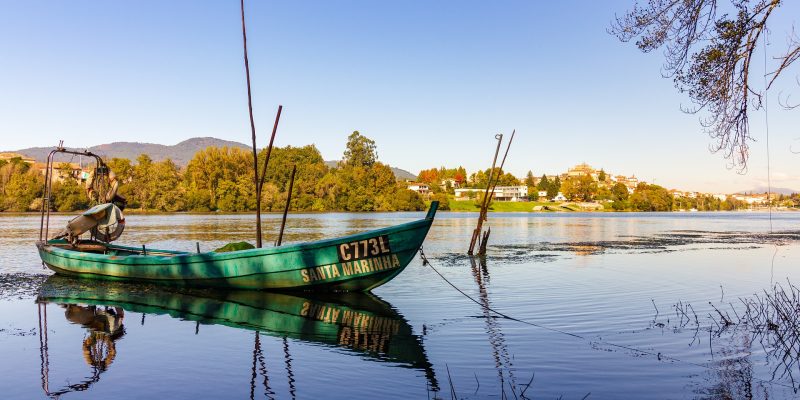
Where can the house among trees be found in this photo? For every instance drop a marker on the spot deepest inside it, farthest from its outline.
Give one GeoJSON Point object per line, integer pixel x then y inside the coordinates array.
{"type": "Point", "coordinates": [63, 171]}
{"type": "Point", "coordinates": [559, 197]}
{"type": "Point", "coordinates": [452, 182]}
{"type": "Point", "coordinates": [629, 181]}
{"type": "Point", "coordinates": [420, 188]}
{"type": "Point", "coordinates": [756, 199]}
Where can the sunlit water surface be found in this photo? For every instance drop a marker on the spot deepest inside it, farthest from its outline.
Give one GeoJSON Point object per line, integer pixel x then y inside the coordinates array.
{"type": "Point", "coordinates": [594, 292]}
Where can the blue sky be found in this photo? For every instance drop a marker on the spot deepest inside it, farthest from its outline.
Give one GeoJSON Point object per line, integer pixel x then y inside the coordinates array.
{"type": "Point", "coordinates": [430, 82]}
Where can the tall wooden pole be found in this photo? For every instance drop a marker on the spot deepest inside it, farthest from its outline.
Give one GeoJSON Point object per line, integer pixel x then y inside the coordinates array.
{"type": "Point", "coordinates": [253, 131]}
{"type": "Point", "coordinates": [477, 230]}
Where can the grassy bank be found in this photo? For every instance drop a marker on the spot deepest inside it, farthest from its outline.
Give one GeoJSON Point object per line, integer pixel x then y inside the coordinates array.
{"type": "Point", "coordinates": [511, 206]}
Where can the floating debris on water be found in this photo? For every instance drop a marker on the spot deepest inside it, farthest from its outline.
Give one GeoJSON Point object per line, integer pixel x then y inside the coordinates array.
{"type": "Point", "coordinates": [661, 242]}
{"type": "Point", "coordinates": [20, 286]}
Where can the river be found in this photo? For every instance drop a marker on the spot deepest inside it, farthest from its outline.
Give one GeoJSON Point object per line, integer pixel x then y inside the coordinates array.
{"type": "Point", "coordinates": [590, 305]}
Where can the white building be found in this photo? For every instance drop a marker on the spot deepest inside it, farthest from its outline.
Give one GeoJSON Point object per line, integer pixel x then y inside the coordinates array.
{"type": "Point", "coordinates": [420, 188]}
{"type": "Point", "coordinates": [501, 193]}
{"type": "Point", "coordinates": [511, 193]}
{"type": "Point", "coordinates": [463, 194]}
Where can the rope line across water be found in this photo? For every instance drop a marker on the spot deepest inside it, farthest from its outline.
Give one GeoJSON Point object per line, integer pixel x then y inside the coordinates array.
{"type": "Point", "coordinates": [658, 355]}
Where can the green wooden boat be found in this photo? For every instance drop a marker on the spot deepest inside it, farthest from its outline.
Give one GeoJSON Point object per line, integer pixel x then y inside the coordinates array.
{"type": "Point", "coordinates": [360, 323]}
{"type": "Point", "coordinates": [357, 262]}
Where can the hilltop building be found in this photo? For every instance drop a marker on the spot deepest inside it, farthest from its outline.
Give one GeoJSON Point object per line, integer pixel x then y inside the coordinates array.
{"type": "Point", "coordinates": [583, 169]}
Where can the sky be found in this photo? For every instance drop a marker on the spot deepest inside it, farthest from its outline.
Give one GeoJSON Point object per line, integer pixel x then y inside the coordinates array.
{"type": "Point", "coordinates": [430, 82]}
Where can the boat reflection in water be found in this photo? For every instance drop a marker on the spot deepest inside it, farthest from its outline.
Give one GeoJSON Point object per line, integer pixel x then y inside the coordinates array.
{"type": "Point", "coordinates": [359, 322]}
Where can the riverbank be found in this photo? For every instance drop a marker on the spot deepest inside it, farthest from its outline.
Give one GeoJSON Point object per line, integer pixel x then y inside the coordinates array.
{"type": "Point", "coordinates": [536, 206]}
{"type": "Point", "coordinates": [455, 206]}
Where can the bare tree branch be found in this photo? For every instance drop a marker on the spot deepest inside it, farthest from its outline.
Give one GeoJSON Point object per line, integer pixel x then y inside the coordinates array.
{"type": "Point", "coordinates": [708, 51]}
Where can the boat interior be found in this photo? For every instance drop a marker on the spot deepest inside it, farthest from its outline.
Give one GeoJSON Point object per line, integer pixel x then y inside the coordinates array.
{"type": "Point", "coordinates": [97, 247]}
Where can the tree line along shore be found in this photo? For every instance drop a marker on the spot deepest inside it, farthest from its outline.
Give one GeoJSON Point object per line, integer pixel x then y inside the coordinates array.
{"type": "Point", "coordinates": [221, 179]}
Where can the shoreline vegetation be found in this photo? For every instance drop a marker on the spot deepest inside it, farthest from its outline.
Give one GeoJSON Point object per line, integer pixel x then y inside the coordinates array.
{"type": "Point", "coordinates": [455, 207]}
{"type": "Point", "coordinates": [220, 179]}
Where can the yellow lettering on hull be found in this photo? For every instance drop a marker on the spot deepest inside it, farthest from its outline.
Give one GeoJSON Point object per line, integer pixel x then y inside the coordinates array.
{"type": "Point", "coordinates": [345, 269]}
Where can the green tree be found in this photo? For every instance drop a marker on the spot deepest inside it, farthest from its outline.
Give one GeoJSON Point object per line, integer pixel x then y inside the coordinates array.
{"type": "Point", "coordinates": [68, 195]}
{"type": "Point", "coordinates": [360, 151]}
{"type": "Point", "coordinates": [141, 184]}
{"type": "Point", "coordinates": [166, 192]}
{"type": "Point", "coordinates": [579, 188]}
{"type": "Point", "coordinates": [619, 205]}
{"type": "Point", "coordinates": [408, 200]}
{"type": "Point", "coordinates": [8, 169]}
{"type": "Point", "coordinates": [543, 184]}
{"type": "Point", "coordinates": [553, 188]}
{"type": "Point", "coordinates": [311, 169]}
{"type": "Point", "coordinates": [507, 179]}
{"type": "Point", "coordinates": [212, 166]}
{"type": "Point", "coordinates": [530, 180]}
{"type": "Point", "coordinates": [443, 199]}
{"type": "Point", "coordinates": [604, 193]}
{"type": "Point", "coordinates": [651, 198]}
{"type": "Point", "coordinates": [23, 187]}
{"type": "Point", "coordinates": [237, 195]}
{"type": "Point", "coordinates": [619, 191]}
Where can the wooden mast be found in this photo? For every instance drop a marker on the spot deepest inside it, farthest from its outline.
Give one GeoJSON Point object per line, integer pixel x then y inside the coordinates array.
{"type": "Point", "coordinates": [252, 131]}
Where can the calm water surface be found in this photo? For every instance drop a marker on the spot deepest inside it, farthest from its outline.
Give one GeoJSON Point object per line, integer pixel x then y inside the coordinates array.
{"type": "Point", "coordinates": [594, 291]}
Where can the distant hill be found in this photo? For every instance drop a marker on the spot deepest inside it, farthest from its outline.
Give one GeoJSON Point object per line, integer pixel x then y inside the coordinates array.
{"type": "Point", "coordinates": [399, 174]}
{"type": "Point", "coordinates": [180, 153]}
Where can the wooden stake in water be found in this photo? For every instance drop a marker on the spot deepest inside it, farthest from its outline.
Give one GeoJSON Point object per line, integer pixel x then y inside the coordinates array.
{"type": "Point", "coordinates": [286, 209]}
{"type": "Point", "coordinates": [484, 210]}
{"type": "Point", "coordinates": [269, 149]}
{"type": "Point", "coordinates": [485, 203]}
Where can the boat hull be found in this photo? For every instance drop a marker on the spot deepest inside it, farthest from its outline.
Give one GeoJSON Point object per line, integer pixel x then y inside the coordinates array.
{"type": "Point", "coordinates": [357, 262]}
